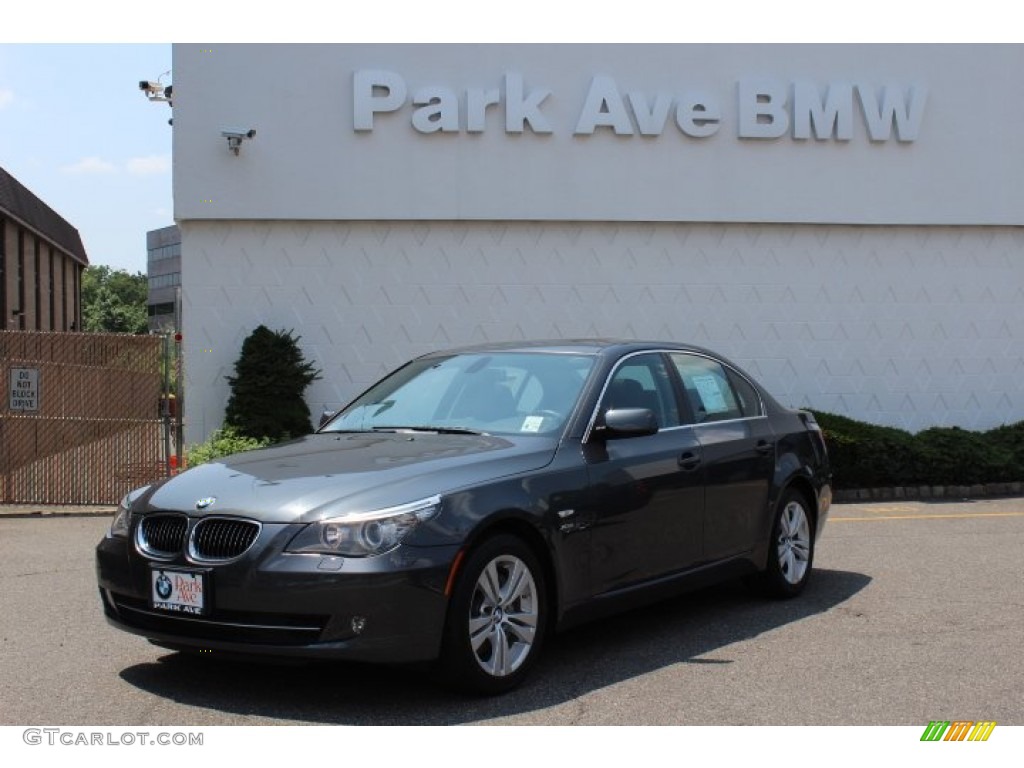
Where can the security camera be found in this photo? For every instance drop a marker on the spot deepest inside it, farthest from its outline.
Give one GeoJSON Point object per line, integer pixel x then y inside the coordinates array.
{"type": "Point", "coordinates": [235, 136]}
{"type": "Point", "coordinates": [237, 133]}
{"type": "Point", "coordinates": [156, 90]}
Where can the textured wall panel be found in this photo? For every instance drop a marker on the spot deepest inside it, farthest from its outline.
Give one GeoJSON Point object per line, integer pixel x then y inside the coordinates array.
{"type": "Point", "coordinates": [906, 326]}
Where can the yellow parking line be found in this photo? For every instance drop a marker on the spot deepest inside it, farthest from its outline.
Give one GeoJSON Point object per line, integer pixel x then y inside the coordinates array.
{"type": "Point", "coordinates": [833, 519]}
{"type": "Point", "coordinates": [880, 510]}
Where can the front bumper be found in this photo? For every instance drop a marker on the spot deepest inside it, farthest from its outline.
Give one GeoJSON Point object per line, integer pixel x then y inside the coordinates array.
{"type": "Point", "coordinates": [388, 609]}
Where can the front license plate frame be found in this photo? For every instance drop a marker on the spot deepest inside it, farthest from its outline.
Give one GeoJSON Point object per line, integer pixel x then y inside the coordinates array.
{"type": "Point", "coordinates": [179, 590]}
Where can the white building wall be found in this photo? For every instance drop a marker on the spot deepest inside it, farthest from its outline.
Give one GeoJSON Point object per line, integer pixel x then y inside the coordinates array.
{"type": "Point", "coordinates": [856, 257]}
{"type": "Point", "coordinates": [910, 326]}
{"type": "Point", "coordinates": [946, 152]}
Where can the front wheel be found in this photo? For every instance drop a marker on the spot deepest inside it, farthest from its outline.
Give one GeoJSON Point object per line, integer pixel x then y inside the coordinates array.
{"type": "Point", "coordinates": [497, 617]}
{"type": "Point", "coordinates": [790, 549]}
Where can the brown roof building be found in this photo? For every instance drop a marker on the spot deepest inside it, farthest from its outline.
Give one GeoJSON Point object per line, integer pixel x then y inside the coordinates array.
{"type": "Point", "coordinates": [41, 263]}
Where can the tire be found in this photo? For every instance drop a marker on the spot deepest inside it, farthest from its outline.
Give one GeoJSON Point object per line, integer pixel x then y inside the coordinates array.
{"type": "Point", "coordinates": [497, 617]}
{"type": "Point", "coordinates": [790, 549]}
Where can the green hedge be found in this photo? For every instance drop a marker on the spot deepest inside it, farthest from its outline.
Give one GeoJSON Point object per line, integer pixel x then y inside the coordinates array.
{"type": "Point", "coordinates": [870, 456]}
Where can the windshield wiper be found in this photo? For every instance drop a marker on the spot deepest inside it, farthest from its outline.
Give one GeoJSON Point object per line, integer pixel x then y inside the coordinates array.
{"type": "Point", "coordinates": [429, 428]}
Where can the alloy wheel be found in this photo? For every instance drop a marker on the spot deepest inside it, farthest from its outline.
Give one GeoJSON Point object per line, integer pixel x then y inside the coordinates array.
{"type": "Point", "coordinates": [794, 542]}
{"type": "Point", "coordinates": [503, 615]}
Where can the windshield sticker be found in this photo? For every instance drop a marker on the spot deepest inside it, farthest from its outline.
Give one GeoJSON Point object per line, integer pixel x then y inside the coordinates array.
{"type": "Point", "coordinates": [532, 423]}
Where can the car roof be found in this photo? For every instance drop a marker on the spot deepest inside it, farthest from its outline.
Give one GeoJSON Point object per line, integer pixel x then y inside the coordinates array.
{"type": "Point", "coordinates": [574, 346]}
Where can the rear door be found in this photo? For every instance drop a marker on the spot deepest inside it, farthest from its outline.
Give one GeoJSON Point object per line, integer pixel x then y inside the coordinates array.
{"type": "Point", "coordinates": [738, 449]}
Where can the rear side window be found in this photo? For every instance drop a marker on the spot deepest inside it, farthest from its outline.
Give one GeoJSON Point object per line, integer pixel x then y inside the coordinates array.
{"type": "Point", "coordinates": [714, 393]}
{"type": "Point", "coordinates": [746, 395]}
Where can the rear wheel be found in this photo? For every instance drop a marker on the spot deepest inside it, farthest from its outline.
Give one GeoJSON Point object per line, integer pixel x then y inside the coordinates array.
{"type": "Point", "coordinates": [790, 549]}
{"type": "Point", "coordinates": [497, 617]}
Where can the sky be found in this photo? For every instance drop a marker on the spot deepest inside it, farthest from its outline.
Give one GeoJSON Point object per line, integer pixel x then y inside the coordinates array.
{"type": "Point", "coordinates": [77, 131]}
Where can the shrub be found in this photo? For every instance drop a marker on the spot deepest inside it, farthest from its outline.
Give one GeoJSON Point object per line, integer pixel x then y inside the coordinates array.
{"type": "Point", "coordinates": [267, 389]}
{"type": "Point", "coordinates": [866, 455]}
{"type": "Point", "coordinates": [870, 456]}
{"type": "Point", "coordinates": [223, 442]}
{"type": "Point", "coordinates": [953, 456]}
{"type": "Point", "coordinates": [1010, 438]}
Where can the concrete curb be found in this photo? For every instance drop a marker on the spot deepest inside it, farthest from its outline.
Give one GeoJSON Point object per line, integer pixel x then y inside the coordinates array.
{"type": "Point", "coordinates": [929, 492]}
{"type": "Point", "coordinates": [17, 511]}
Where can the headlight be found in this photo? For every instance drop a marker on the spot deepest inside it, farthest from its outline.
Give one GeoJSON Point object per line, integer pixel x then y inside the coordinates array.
{"type": "Point", "coordinates": [123, 517]}
{"type": "Point", "coordinates": [361, 534]}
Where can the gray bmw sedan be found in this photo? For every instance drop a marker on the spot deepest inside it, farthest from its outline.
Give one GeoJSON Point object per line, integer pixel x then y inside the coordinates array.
{"type": "Point", "coordinates": [470, 503]}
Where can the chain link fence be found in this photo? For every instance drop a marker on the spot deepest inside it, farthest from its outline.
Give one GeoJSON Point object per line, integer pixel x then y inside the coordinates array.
{"type": "Point", "coordinates": [80, 418]}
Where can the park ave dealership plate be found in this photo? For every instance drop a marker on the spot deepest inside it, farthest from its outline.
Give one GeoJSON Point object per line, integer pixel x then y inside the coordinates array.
{"type": "Point", "coordinates": [179, 591]}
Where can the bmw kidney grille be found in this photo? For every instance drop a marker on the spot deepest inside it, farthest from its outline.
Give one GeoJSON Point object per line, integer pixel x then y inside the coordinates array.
{"type": "Point", "coordinates": [161, 536]}
{"type": "Point", "coordinates": [217, 539]}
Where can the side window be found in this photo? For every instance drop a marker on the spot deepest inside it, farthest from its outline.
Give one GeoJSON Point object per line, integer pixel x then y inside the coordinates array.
{"type": "Point", "coordinates": [643, 382]}
{"type": "Point", "coordinates": [708, 389]}
{"type": "Point", "coordinates": [749, 402]}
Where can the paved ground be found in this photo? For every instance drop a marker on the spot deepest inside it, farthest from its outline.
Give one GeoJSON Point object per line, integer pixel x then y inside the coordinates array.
{"type": "Point", "coordinates": [915, 613]}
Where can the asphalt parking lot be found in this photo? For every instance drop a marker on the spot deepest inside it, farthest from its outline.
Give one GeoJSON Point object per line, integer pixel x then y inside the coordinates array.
{"type": "Point", "coordinates": [914, 613]}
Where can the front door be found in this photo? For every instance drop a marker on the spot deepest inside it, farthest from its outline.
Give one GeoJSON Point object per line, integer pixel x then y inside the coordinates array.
{"type": "Point", "coordinates": [647, 492]}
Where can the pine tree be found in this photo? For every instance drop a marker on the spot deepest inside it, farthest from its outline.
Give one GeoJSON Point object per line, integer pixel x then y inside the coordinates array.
{"type": "Point", "coordinates": [271, 376]}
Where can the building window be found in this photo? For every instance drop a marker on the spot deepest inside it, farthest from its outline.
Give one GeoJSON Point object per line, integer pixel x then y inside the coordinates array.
{"type": "Point", "coordinates": [63, 294]}
{"type": "Point", "coordinates": [165, 252]}
{"type": "Point", "coordinates": [53, 308]}
{"type": "Point", "coordinates": [3, 275]}
{"type": "Point", "coordinates": [20, 277]}
{"type": "Point", "coordinates": [76, 324]}
{"type": "Point", "coordinates": [157, 310]}
{"type": "Point", "coordinates": [39, 288]}
{"type": "Point", "coordinates": [165, 281]}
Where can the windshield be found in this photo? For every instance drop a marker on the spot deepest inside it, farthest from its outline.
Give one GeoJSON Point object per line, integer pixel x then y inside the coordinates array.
{"type": "Point", "coordinates": [511, 393]}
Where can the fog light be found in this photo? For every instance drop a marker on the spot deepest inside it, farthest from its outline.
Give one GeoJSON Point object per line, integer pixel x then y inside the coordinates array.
{"type": "Point", "coordinates": [358, 624]}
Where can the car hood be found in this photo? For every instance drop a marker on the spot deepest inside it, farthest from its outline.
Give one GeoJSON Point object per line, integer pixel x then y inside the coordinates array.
{"type": "Point", "coordinates": [330, 474]}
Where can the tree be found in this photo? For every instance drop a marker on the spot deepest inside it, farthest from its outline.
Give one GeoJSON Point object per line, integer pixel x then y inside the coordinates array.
{"type": "Point", "coordinates": [113, 301]}
{"type": "Point", "coordinates": [271, 376]}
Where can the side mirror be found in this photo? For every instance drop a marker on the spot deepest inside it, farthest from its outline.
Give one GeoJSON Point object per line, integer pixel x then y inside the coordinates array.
{"type": "Point", "coordinates": [629, 422]}
{"type": "Point", "coordinates": [325, 417]}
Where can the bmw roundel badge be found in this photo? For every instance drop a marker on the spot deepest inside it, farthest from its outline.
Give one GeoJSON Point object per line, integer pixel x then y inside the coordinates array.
{"type": "Point", "coordinates": [163, 586]}
{"type": "Point", "coordinates": [204, 503]}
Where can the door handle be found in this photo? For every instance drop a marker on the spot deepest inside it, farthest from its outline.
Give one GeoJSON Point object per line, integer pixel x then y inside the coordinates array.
{"type": "Point", "coordinates": [764, 447]}
{"type": "Point", "coordinates": [689, 461]}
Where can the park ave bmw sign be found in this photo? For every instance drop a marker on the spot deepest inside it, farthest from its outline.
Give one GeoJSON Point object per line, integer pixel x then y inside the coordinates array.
{"type": "Point", "coordinates": [766, 108]}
